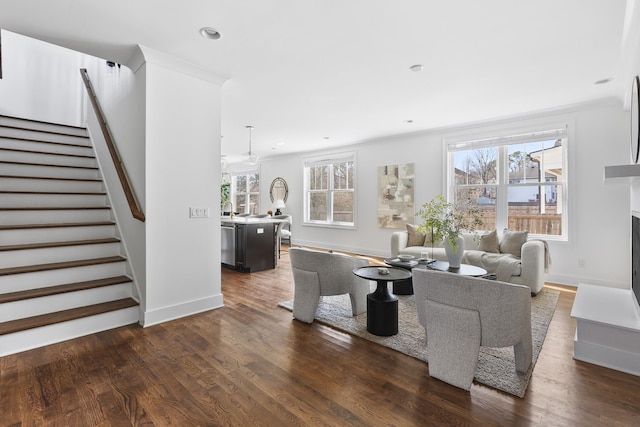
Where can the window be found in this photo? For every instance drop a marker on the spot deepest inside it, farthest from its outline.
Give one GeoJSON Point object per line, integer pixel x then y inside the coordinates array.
{"type": "Point", "coordinates": [245, 192]}
{"type": "Point", "coordinates": [518, 181]}
{"type": "Point", "coordinates": [330, 191]}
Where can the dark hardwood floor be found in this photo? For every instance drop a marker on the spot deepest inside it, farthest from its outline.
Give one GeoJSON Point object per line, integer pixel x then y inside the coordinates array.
{"type": "Point", "coordinates": [250, 363]}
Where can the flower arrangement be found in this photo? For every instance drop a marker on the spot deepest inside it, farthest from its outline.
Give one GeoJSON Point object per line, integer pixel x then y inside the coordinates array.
{"type": "Point", "coordinates": [446, 220]}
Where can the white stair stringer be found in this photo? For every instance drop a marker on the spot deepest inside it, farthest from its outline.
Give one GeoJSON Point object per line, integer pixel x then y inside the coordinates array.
{"type": "Point", "coordinates": [62, 269]}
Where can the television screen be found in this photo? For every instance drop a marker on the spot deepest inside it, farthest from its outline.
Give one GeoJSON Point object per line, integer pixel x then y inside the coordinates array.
{"type": "Point", "coordinates": [635, 255]}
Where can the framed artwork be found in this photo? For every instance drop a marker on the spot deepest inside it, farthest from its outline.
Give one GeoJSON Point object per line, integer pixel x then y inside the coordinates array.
{"type": "Point", "coordinates": [395, 195]}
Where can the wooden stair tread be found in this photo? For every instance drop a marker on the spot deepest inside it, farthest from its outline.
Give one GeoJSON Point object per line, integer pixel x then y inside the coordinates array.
{"type": "Point", "coordinates": [49, 131]}
{"type": "Point", "coordinates": [25, 119]}
{"type": "Point", "coordinates": [58, 244]}
{"type": "Point", "coordinates": [18, 150]}
{"type": "Point", "coordinates": [52, 208]}
{"type": "Point", "coordinates": [59, 265]}
{"type": "Point", "coordinates": [8, 162]}
{"type": "Point", "coordinates": [54, 225]}
{"type": "Point", "coordinates": [55, 178]}
{"type": "Point", "coordinates": [61, 289]}
{"type": "Point", "coordinates": [64, 316]}
{"type": "Point", "coordinates": [65, 193]}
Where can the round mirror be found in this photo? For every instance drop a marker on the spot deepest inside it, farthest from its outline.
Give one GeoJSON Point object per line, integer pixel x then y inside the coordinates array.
{"type": "Point", "coordinates": [279, 190]}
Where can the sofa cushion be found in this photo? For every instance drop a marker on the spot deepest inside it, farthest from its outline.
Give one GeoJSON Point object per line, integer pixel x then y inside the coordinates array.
{"type": "Point", "coordinates": [415, 238]}
{"type": "Point", "coordinates": [512, 241]}
{"type": "Point", "coordinates": [489, 242]}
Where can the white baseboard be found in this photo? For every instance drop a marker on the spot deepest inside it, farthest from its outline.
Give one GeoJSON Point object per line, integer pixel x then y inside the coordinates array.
{"type": "Point", "coordinates": [342, 248]}
{"type": "Point", "coordinates": [173, 312]}
{"type": "Point", "coordinates": [563, 279]}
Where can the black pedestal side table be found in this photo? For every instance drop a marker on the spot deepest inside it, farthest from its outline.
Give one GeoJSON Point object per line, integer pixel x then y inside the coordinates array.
{"type": "Point", "coordinates": [382, 306]}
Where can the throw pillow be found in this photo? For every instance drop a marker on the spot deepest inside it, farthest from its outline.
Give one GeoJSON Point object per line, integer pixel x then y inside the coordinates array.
{"type": "Point", "coordinates": [489, 242]}
{"type": "Point", "coordinates": [428, 239]}
{"type": "Point", "coordinates": [415, 237]}
{"type": "Point", "coordinates": [512, 241]}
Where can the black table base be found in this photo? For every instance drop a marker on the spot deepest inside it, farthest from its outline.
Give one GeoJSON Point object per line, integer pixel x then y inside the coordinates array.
{"type": "Point", "coordinates": [382, 311]}
{"type": "Point", "coordinates": [404, 287]}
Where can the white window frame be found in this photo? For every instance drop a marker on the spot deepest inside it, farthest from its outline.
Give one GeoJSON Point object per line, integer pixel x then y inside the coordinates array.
{"type": "Point", "coordinates": [235, 192]}
{"type": "Point", "coordinates": [501, 139]}
{"type": "Point", "coordinates": [329, 159]}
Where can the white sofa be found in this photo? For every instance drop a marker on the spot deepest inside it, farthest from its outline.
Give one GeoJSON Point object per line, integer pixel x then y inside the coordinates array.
{"type": "Point", "coordinates": [528, 269]}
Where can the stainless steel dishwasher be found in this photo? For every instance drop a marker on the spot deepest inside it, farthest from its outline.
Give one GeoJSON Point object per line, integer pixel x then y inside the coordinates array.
{"type": "Point", "coordinates": [228, 234]}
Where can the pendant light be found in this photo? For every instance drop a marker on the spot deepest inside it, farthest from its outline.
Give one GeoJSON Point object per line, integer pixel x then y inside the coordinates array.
{"type": "Point", "coordinates": [250, 157]}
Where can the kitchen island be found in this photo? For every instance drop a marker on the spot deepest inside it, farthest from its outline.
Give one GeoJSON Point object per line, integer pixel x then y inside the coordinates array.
{"type": "Point", "coordinates": [248, 243]}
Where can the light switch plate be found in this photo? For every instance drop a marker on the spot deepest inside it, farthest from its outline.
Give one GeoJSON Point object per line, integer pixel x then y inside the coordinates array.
{"type": "Point", "coordinates": [198, 212]}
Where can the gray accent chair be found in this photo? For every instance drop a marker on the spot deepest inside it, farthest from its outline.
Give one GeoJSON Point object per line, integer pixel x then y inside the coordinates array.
{"type": "Point", "coordinates": [317, 274]}
{"type": "Point", "coordinates": [461, 313]}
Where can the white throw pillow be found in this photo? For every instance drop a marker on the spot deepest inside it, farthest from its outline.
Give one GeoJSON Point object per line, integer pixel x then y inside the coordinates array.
{"type": "Point", "coordinates": [512, 241]}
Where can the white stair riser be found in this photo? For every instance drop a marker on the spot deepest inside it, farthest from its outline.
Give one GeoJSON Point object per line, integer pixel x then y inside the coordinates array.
{"type": "Point", "coordinates": [46, 159]}
{"type": "Point", "coordinates": [55, 234]}
{"type": "Point", "coordinates": [40, 337]}
{"type": "Point", "coordinates": [59, 254]}
{"type": "Point", "coordinates": [44, 279]}
{"type": "Point", "coordinates": [40, 136]}
{"type": "Point", "coordinates": [52, 303]}
{"type": "Point", "coordinates": [51, 216]}
{"type": "Point", "coordinates": [49, 127]}
{"type": "Point", "coordinates": [8, 200]}
{"type": "Point", "coordinates": [82, 150]}
{"type": "Point", "coordinates": [48, 171]}
{"type": "Point", "coordinates": [30, 184]}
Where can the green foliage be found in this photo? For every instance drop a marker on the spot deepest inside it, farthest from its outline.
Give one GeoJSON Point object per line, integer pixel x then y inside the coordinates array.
{"type": "Point", "coordinates": [225, 190]}
{"type": "Point", "coordinates": [446, 220]}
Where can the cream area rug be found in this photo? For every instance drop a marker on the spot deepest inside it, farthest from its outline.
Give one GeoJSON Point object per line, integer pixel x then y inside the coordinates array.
{"type": "Point", "coordinates": [496, 366]}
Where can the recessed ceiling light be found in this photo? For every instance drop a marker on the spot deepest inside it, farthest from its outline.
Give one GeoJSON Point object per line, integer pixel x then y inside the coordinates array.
{"type": "Point", "coordinates": [603, 81]}
{"type": "Point", "coordinates": [408, 121]}
{"type": "Point", "coordinates": [210, 33]}
{"type": "Point", "coordinates": [326, 137]}
{"type": "Point", "coordinates": [416, 68]}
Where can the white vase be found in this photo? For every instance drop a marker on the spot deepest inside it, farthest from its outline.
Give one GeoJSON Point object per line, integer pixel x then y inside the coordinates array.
{"type": "Point", "coordinates": [454, 255]}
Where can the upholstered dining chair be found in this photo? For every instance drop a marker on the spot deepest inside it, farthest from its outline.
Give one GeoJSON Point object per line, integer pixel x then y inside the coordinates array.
{"type": "Point", "coordinates": [317, 274]}
{"type": "Point", "coordinates": [461, 313]}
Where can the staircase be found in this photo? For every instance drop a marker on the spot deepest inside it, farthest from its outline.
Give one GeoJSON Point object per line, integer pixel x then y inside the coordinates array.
{"type": "Point", "coordinates": [62, 269]}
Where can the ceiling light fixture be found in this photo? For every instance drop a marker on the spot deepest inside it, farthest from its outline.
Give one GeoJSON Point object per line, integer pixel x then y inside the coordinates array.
{"type": "Point", "coordinates": [210, 33]}
{"type": "Point", "coordinates": [250, 157]}
{"type": "Point", "coordinates": [416, 68]}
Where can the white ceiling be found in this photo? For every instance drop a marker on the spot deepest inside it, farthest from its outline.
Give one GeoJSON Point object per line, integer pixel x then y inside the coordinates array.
{"type": "Point", "coordinates": [304, 70]}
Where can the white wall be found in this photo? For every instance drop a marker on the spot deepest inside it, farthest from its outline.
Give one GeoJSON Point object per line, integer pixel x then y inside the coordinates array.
{"type": "Point", "coordinates": [182, 170]}
{"type": "Point", "coordinates": [41, 81]}
{"type": "Point", "coordinates": [598, 213]}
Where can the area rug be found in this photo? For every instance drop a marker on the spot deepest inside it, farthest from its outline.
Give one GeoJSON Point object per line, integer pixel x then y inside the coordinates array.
{"type": "Point", "coordinates": [496, 366]}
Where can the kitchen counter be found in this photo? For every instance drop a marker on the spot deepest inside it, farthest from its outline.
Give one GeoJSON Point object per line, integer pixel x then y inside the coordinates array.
{"type": "Point", "coordinates": [249, 244]}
